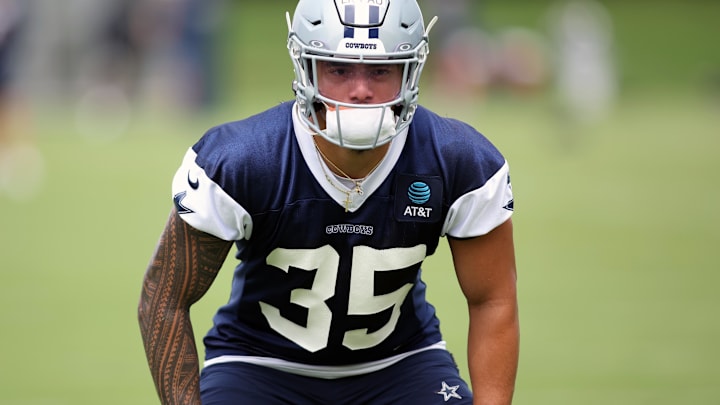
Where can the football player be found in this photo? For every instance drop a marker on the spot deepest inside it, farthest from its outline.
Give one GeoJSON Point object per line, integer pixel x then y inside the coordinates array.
{"type": "Point", "coordinates": [333, 201]}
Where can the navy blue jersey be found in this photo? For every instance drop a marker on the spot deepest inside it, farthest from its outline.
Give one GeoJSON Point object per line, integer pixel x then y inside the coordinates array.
{"type": "Point", "coordinates": [327, 277]}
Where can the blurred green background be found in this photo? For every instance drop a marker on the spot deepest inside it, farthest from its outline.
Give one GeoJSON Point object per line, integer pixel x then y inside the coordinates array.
{"type": "Point", "coordinates": [617, 222]}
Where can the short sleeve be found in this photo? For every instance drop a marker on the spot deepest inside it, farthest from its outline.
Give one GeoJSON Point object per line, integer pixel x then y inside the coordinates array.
{"type": "Point", "coordinates": [204, 205]}
{"type": "Point", "coordinates": [479, 211]}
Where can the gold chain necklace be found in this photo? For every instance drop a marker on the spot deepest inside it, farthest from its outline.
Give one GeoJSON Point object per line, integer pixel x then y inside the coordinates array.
{"type": "Point", "coordinates": [357, 183]}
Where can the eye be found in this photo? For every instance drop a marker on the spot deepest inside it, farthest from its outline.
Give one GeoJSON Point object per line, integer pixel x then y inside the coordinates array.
{"type": "Point", "coordinates": [383, 71]}
{"type": "Point", "coordinates": [338, 69]}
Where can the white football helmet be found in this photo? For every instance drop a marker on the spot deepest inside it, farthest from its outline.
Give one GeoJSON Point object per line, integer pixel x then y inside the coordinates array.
{"type": "Point", "coordinates": [357, 31]}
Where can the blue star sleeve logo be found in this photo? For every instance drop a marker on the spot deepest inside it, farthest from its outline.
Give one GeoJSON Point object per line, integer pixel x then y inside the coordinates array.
{"type": "Point", "coordinates": [177, 200]}
{"type": "Point", "coordinates": [449, 391]}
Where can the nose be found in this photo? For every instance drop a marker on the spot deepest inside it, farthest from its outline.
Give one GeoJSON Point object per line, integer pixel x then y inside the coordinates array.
{"type": "Point", "coordinates": [361, 91]}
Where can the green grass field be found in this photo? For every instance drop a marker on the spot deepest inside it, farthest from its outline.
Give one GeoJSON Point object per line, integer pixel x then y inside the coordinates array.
{"type": "Point", "coordinates": [617, 236]}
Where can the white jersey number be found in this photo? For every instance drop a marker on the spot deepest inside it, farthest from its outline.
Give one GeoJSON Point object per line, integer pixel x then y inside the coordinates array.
{"type": "Point", "coordinates": [362, 301]}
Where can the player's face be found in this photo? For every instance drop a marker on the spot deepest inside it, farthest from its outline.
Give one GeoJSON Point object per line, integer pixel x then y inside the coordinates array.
{"type": "Point", "coordinates": [358, 83]}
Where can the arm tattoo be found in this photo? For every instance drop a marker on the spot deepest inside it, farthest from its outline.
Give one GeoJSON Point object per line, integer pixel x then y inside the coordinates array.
{"type": "Point", "coordinates": [182, 269]}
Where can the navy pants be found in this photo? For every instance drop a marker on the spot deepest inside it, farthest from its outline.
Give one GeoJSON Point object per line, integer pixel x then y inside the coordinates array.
{"type": "Point", "coordinates": [427, 378]}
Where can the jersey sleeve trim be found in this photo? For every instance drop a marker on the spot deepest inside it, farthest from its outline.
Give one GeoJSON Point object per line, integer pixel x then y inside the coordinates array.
{"type": "Point", "coordinates": [205, 206]}
{"type": "Point", "coordinates": [483, 209]}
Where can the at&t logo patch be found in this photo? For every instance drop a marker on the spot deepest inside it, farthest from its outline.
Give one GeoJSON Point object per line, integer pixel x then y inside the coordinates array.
{"type": "Point", "coordinates": [418, 198]}
{"type": "Point", "coordinates": [419, 192]}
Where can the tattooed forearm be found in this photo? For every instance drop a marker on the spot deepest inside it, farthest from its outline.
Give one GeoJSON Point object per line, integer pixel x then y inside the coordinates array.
{"type": "Point", "coordinates": [182, 269]}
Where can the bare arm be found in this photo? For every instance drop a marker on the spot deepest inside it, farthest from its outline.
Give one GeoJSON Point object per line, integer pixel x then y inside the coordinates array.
{"type": "Point", "coordinates": [485, 267]}
{"type": "Point", "coordinates": [182, 269]}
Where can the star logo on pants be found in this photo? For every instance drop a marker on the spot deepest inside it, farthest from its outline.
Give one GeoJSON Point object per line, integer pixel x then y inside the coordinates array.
{"type": "Point", "coordinates": [448, 391]}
